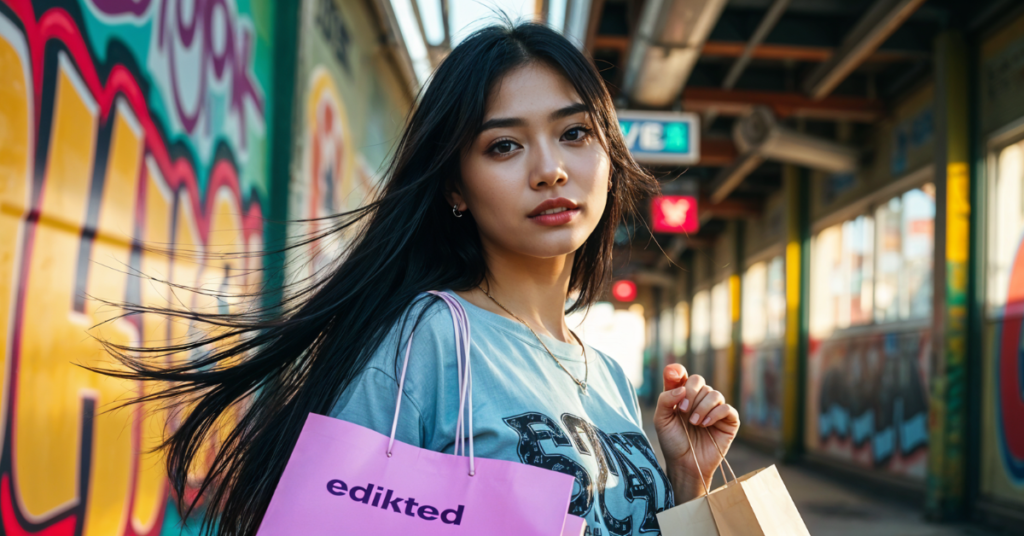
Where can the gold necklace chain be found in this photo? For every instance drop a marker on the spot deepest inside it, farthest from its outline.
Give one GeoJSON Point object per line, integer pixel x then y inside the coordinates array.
{"type": "Point", "coordinates": [586, 363]}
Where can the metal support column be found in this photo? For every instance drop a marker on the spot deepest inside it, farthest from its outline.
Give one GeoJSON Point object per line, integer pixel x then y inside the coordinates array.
{"type": "Point", "coordinates": [736, 306]}
{"type": "Point", "coordinates": [279, 141]}
{"type": "Point", "coordinates": [948, 406]}
{"type": "Point", "coordinates": [796, 183]}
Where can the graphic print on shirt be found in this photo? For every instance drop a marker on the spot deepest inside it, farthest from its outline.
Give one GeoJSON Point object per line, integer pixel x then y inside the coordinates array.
{"type": "Point", "coordinates": [626, 456]}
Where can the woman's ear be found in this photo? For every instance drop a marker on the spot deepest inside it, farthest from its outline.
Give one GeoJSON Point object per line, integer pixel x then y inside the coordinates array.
{"type": "Point", "coordinates": [455, 199]}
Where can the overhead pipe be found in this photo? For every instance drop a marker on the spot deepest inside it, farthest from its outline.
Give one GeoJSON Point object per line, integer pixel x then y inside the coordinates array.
{"type": "Point", "coordinates": [668, 43]}
{"type": "Point", "coordinates": [878, 23]}
{"type": "Point", "coordinates": [760, 132]}
{"type": "Point", "coordinates": [760, 137]}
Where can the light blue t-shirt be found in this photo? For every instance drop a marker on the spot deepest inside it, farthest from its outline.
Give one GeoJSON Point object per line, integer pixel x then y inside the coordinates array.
{"type": "Point", "coordinates": [525, 409]}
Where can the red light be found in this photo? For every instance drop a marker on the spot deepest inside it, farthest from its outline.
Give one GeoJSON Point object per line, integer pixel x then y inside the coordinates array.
{"type": "Point", "coordinates": [624, 290]}
{"type": "Point", "coordinates": [674, 214]}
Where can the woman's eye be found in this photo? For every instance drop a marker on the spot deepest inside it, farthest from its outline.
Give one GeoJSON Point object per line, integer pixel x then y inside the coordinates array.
{"type": "Point", "coordinates": [575, 134]}
{"type": "Point", "coordinates": [503, 147]}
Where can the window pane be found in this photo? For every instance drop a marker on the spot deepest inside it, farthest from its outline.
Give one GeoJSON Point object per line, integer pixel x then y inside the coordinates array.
{"type": "Point", "coordinates": [682, 318]}
{"type": "Point", "coordinates": [721, 316]}
{"type": "Point", "coordinates": [755, 319]}
{"type": "Point", "coordinates": [701, 321]}
{"type": "Point", "coordinates": [826, 281]}
{"type": "Point", "coordinates": [666, 334]}
{"type": "Point", "coordinates": [1006, 221]}
{"type": "Point", "coordinates": [776, 299]}
{"type": "Point", "coordinates": [858, 255]}
{"type": "Point", "coordinates": [918, 245]}
{"type": "Point", "coordinates": [889, 225]}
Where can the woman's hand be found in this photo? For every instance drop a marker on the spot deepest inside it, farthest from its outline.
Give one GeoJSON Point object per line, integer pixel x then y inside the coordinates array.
{"type": "Point", "coordinates": [691, 398]}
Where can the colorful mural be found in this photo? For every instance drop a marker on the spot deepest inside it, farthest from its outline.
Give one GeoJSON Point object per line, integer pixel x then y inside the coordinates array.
{"type": "Point", "coordinates": [352, 110]}
{"type": "Point", "coordinates": [867, 400]}
{"type": "Point", "coordinates": [1009, 376]}
{"type": "Point", "coordinates": [123, 124]}
{"type": "Point", "coordinates": [1001, 80]}
{"type": "Point", "coordinates": [761, 391]}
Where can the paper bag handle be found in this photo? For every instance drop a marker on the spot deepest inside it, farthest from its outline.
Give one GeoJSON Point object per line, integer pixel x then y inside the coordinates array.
{"type": "Point", "coordinates": [693, 452]}
{"type": "Point", "coordinates": [462, 344]}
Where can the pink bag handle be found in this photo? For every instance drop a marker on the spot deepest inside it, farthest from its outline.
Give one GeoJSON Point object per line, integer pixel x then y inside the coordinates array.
{"type": "Point", "coordinates": [461, 323]}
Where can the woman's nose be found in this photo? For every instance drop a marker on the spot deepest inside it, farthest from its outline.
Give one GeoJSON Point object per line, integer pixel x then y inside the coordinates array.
{"type": "Point", "coordinates": [547, 168]}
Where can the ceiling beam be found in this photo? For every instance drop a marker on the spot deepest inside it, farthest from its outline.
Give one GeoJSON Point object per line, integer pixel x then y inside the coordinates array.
{"type": "Point", "coordinates": [717, 152]}
{"type": "Point", "coordinates": [741, 102]}
{"type": "Point", "coordinates": [731, 177]}
{"type": "Point", "coordinates": [771, 51]}
{"type": "Point", "coordinates": [877, 24]}
{"type": "Point", "coordinates": [617, 42]}
{"type": "Point", "coordinates": [728, 209]}
{"type": "Point", "coordinates": [596, 12]}
{"type": "Point", "coordinates": [810, 54]}
{"type": "Point", "coordinates": [653, 278]}
{"type": "Point", "coordinates": [771, 17]}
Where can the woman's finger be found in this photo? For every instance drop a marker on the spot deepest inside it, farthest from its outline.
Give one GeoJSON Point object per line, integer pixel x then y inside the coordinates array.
{"type": "Point", "coordinates": [698, 398]}
{"type": "Point", "coordinates": [707, 402]}
{"type": "Point", "coordinates": [674, 376]}
{"type": "Point", "coordinates": [693, 386]}
{"type": "Point", "coordinates": [668, 400]}
{"type": "Point", "coordinates": [719, 413]}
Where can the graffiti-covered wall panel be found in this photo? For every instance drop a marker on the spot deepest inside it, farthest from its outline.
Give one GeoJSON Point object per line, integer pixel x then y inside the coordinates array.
{"type": "Point", "coordinates": [867, 400]}
{"type": "Point", "coordinates": [352, 106]}
{"type": "Point", "coordinates": [123, 124]}
{"type": "Point", "coordinates": [1001, 81]}
{"type": "Point", "coordinates": [761, 392]}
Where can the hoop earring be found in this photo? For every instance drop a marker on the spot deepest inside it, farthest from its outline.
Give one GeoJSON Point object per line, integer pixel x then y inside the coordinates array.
{"type": "Point", "coordinates": [455, 211]}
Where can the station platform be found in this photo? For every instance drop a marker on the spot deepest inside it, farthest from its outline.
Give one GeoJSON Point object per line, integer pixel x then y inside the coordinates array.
{"type": "Point", "coordinates": [832, 507]}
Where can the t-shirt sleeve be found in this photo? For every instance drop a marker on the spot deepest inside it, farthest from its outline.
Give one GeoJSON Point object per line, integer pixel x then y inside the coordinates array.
{"type": "Point", "coordinates": [370, 402]}
{"type": "Point", "coordinates": [637, 414]}
{"type": "Point", "coordinates": [430, 398]}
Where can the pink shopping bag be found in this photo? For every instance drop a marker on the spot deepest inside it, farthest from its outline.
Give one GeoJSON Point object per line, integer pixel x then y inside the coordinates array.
{"type": "Point", "coordinates": [346, 479]}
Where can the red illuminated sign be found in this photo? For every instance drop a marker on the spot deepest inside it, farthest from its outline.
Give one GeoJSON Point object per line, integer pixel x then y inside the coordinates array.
{"type": "Point", "coordinates": [675, 214]}
{"type": "Point", "coordinates": [624, 290]}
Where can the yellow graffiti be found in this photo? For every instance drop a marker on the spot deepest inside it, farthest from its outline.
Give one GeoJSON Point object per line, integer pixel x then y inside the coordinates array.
{"type": "Point", "coordinates": [156, 231]}
{"type": "Point", "coordinates": [48, 438]}
{"type": "Point", "coordinates": [16, 134]}
{"type": "Point", "coordinates": [327, 182]}
{"type": "Point", "coordinates": [98, 191]}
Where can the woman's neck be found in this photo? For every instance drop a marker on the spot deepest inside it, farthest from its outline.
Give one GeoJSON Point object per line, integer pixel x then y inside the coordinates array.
{"type": "Point", "coordinates": [531, 288]}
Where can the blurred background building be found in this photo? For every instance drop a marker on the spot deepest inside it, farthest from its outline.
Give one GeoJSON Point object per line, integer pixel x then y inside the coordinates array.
{"type": "Point", "coordinates": [836, 247]}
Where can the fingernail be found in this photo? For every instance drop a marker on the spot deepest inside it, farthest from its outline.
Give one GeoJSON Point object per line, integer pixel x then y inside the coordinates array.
{"type": "Point", "coordinates": [686, 403]}
{"type": "Point", "coordinates": [678, 391]}
{"type": "Point", "coordinates": [707, 421]}
{"type": "Point", "coordinates": [695, 419]}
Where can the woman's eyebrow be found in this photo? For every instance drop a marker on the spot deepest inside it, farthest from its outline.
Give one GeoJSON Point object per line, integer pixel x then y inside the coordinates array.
{"type": "Point", "coordinates": [570, 110]}
{"type": "Point", "coordinates": [508, 122]}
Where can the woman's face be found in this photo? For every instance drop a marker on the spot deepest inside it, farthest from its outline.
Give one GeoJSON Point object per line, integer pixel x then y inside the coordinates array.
{"type": "Point", "coordinates": [536, 177]}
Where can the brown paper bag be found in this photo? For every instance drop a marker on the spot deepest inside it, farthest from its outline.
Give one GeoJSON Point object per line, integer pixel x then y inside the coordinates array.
{"type": "Point", "coordinates": [755, 504]}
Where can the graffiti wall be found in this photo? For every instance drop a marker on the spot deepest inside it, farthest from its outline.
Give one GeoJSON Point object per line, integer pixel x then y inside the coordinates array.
{"type": "Point", "coordinates": [1001, 80]}
{"type": "Point", "coordinates": [352, 106]}
{"type": "Point", "coordinates": [1002, 461]}
{"type": "Point", "coordinates": [123, 124]}
{"type": "Point", "coordinates": [867, 400]}
{"type": "Point", "coordinates": [761, 392]}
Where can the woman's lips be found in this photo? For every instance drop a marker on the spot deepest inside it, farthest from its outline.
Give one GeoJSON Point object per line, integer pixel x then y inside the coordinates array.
{"type": "Point", "coordinates": [558, 218]}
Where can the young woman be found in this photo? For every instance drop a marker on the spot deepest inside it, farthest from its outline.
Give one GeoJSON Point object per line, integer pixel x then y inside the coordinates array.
{"type": "Point", "coordinates": [506, 189]}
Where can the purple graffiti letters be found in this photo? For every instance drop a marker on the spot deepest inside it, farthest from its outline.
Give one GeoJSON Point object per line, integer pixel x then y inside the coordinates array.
{"type": "Point", "coordinates": [224, 55]}
{"type": "Point", "coordinates": [122, 7]}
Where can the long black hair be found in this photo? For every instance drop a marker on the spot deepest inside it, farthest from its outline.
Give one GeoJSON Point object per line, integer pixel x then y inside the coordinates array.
{"type": "Point", "coordinates": [255, 376]}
